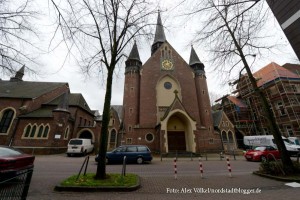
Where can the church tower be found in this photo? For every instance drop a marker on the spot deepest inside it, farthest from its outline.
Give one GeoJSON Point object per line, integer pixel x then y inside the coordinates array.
{"type": "Point", "coordinates": [201, 90]}
{"type": "Point", "coordinates": [132, 89]}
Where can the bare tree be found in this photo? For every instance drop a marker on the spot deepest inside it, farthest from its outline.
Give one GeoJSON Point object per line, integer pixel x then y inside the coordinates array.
{"type": "Point", "coordinates": [232, 32]}
{"type": "Point", "coordinates": [15, 33]}
{"type": "Point", "coordinates": [100, 31]}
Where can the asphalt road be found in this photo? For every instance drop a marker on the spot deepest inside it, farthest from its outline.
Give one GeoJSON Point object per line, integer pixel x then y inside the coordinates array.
{"type": "Point", "coordinates": [158, 181]}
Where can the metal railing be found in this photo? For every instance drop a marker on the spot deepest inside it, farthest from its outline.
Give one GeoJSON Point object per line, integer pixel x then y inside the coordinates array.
{"type": "Point", "coordinates": [16, 188]}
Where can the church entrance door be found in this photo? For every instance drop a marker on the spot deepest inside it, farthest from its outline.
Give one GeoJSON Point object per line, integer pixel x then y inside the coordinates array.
{"type": "Point", "coordinates": [176, 141]}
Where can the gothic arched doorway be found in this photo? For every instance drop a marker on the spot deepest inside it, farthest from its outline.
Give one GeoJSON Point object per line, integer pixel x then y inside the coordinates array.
{"type": "Point", "coordinates": [180, 136]}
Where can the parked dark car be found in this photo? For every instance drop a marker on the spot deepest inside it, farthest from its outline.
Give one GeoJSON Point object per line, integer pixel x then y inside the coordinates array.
{"type": "Point", "coordinates": [262, 154]}
{"type": "Point", "coordinates": [134, 154]}
{"type": "Point", "coordinates": [13, 162]}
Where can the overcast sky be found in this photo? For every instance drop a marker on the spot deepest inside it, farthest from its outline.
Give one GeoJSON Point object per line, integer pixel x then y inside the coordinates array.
{"type": "Point", "coordinates": [177, 35]}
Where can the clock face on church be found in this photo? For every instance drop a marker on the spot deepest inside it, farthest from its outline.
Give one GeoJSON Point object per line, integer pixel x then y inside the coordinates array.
{"type": "Point", "coordinates": [167, 64]}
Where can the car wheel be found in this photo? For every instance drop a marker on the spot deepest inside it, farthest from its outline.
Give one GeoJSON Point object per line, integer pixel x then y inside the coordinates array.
{"type": "Point", "coordinates": [139, 160]}
{"type": "Point", "coordinates": [263, 159]}
{"type": "Point", "coordinates": [68, 154]}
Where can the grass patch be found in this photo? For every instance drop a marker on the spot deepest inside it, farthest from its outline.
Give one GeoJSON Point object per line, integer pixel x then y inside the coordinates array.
{"type": "Point", "coordinates": [112, 180]}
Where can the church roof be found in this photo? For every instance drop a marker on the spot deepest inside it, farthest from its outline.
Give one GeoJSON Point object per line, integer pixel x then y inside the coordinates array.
{"type": "Point", "coordinates": [27, 89]}
{"type": "Point", "coordinates": [119, 111]}
{"type": "Point", "coordinates": [159, 33]}
{"type": "Point", "coordinates": [72, 100]}
{"type": "Point", "coordinates": [271, 72]}
{"type": "Point", "coordinates": [134, 54]}
{"type": "Point", "coordinates": [194, 59]}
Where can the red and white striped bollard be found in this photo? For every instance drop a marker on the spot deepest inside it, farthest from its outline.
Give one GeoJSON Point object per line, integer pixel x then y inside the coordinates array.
{"type": "Point", "coordinates": [201, 168]}
{"type": "Point", "coordinates": [228, 166]}
{"type": "Point", "coordinates": [175, 169]}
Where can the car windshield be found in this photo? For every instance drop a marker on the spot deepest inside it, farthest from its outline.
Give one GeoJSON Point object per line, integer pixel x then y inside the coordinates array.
{"type": "Point", "coordinates": [8, 152]}
{"type": "Point", "coordinates": [260, 148]}
{"type": "Point", "coordinates": [75, 142]}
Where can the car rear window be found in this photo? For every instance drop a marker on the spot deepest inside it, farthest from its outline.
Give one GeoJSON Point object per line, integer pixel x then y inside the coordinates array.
{"type": "Point", "coordinates": [9, 152]}
{"type": "Point", "coordinates": [142, 149]}
{"type": "Point", "coordinates": [75, 142]}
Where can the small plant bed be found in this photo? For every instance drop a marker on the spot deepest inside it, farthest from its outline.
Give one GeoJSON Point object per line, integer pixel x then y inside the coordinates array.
{"type": "Point", "coordinates": [273, 170]}
{"type": "Point", "coordinates": [89, 183]}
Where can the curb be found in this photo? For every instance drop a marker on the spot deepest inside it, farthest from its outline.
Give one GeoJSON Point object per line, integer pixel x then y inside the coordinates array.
{"type": "Point", "coordinates": [60, 188]}
{"type": "Point", "coordinates": [278, 178]}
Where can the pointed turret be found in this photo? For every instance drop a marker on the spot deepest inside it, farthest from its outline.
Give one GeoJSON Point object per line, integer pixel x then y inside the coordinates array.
{"type": "Point", "coordinates": [133, 63]}
{"type": "Point", "coordinates": [195, 63]}
{"type": "Point", "coordinates": [159, 35]}
{"type": "Point", "coordinates": [19, 74]}
{"type": "Point", "coordinates": [134, 54]}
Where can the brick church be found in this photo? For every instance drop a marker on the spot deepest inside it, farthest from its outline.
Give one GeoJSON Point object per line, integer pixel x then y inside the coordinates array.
{"type": "Point", "coordinates": [166, 102]}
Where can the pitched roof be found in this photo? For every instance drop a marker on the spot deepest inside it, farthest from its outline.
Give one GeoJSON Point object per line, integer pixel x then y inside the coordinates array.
{"type": "Point", "coordinates": [119, 111]}
{"type": "Point", "coordinates": [271, 72]}
{"type": "Point", "coordinates": [217, 117]}
{"type": "Point", "coordinates": [27, 89]}
{"type": "Point", "coordinates": [75, 99]}
{"type": "Point", "coordinates": [237, 102]}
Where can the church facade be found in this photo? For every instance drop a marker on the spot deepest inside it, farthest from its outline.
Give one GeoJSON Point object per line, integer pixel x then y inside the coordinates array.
{"type": "Point", "coordinates": [166, 102]}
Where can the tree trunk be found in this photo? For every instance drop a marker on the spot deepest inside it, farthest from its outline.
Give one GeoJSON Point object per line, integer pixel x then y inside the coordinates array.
{"type": "Point", "coordinates": [101, 168]}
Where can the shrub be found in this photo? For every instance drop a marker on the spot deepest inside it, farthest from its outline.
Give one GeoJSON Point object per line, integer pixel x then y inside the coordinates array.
{"type": "Point", "coordinates": [275, 168]}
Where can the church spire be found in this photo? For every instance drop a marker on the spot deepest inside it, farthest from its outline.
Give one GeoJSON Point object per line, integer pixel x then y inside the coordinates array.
{"type": "Point", "coordinates": [195, 63]}
{"type": "Point", "coordinates": [159, 37]}
{"type": "Point", "coordinates": [133, 62]}
{"type": "Point", "coordinates": [134, 54]}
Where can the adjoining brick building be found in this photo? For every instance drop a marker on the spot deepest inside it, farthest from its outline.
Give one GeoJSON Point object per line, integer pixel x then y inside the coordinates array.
{"type": "Point", "coordinates": [281, 86]}
{"type": "Point", "coordinates": [41, 117]}
{"type": "Point", "coordinates": [166, 101]}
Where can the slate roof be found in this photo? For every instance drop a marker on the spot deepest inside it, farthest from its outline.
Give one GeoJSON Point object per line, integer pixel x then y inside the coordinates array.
{"type": "Point", "coordinates": [119, 110]}
{"type": "Point", "coordinates": [159, 32]}
{"type": "Point", "coordinates": [217, 116]}
{"type": "Point", "coordinates": [134, 54]}
{"type": "Point", "coordinates": [47, 108]}
{"type": "Point", "coordinates": [27, 89]}
{"type": "Point", "coordinates": [194, 59]}
{"type": "Point", "coordinates": [75, 99]}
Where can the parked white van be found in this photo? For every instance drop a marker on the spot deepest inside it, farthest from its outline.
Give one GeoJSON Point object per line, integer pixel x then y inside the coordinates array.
{"type": "Point", "coordinates": [268, 140]}
{"type": "Point", "coordinates": [79, 146]}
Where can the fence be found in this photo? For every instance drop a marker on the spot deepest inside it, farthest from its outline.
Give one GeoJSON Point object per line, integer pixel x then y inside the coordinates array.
{"type": "Point", "coordinates": [16, 188]}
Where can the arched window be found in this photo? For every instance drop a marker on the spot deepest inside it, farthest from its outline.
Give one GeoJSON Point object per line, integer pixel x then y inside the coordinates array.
{"type": "Point", "coordinates": [6, 120]}
{"type": "Point", "coordinates": [33, 131]}
{"type": "Point", "coordinates": [230, 137]}
{"type": "Point", "coordinates": [66, 133]}
{"type": "Point", "coordinates": [41, 129]}
{"type": "Point", "coordinates": [224, 137]}
{"type": "Point", "coordinates": [113, 136]}
{"type": "Point", "coordinates": [27, 131]}
{"type": "Point", "coordinates": [46, 131]}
